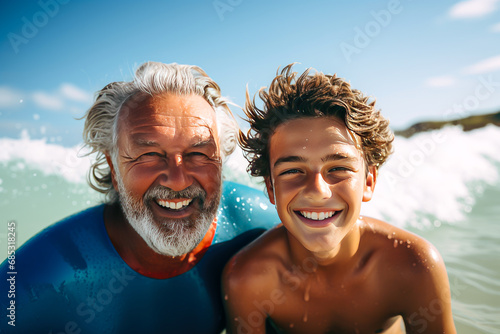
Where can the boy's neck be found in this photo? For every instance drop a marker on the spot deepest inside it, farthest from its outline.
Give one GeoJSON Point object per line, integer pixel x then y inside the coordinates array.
{"type": "Point", "coordinates": [342, 253]}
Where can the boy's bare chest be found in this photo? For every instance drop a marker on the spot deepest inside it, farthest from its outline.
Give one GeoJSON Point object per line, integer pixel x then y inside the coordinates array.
{"type": "Point", "coordinates": [344, 304]}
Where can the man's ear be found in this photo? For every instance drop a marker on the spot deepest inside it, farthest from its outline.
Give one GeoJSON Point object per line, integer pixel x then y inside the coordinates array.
{"type": "Point", "coordinates": [270, 190]}
{"type": "Point", "coordinates": [371, 180]}
{"type": "Point", "coordinates": [113, 173]}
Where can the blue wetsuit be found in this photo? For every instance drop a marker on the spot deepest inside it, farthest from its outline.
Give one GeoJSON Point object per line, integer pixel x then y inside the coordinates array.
{"type": "Point", "coordinates": [70, 279]}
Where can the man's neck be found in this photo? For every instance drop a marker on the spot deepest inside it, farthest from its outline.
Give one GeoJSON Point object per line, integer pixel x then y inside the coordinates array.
{"type": "Point", "coordinates": [140, 257]}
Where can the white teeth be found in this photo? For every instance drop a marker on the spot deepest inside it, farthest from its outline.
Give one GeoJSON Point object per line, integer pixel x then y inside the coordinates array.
{"type": "Point", "coordinates": [316, 215]}
{"type": "Point", "coordinates": [174, 205]}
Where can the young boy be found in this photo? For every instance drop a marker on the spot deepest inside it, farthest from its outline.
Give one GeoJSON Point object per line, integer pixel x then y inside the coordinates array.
{"type": "Point", "coordinates": [318, 143]}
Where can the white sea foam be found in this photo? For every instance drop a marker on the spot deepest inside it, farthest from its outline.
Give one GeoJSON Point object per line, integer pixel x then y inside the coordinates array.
{"type": "Point", "coordinates": [436, 176]}
{"type": "Point", "coordinates": [432, 178]}
{"type": "Point", "coordinates": [50, 159]}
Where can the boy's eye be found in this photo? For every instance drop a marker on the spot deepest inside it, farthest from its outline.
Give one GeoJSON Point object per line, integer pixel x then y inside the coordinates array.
{"type": "Point", "coordinates": [290, 171]}
{"type": "Point", "coordinates": [336, 169]}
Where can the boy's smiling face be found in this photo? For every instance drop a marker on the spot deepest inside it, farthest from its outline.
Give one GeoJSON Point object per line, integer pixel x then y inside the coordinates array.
{"type": "Point", "coordinates": [318, 180]}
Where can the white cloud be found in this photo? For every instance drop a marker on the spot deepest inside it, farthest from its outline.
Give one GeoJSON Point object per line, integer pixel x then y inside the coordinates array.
{"type": "Point", "coordinates": [63, 99]}
{"type": "Point", "coordinates": [472, 9]}
{"type": "Point", "coordinates": [46, 101]}
{"type": "Point", "coordinates": [10, 97]}
{"type": "Point", "coordinates": [74, 93]}
{"type": "Point", "coordinates": [495, 27]}
{"type": "Point", "coordinates": [484, 66]}
{"type": "Point", "coordinates": [442, 81]}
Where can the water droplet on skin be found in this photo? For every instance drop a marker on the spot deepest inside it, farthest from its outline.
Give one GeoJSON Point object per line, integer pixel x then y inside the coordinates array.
{"type": "Point", "coordinates": [389, 236]}
{"type": "Point", "coordinates": [291, 325]}
{"type": "Point", "coordinates": [305, 317]}
{"type": "Point", "coordinates": [395, 243]}
{"type": "Point", "coordinates": [306, 293]}
{"type": "Point", "coordinates": [408, 246]}
{"type": "Point", "coordinates": [226, 297]}
{"type": "Point", "coordinates": [303, 147]}
{"type": "Point", "coordinates": [400, 242]}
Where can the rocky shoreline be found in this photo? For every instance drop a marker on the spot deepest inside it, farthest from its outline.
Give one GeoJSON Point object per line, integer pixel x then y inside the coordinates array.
{"type": "Point", "coordinates": [467, 123]}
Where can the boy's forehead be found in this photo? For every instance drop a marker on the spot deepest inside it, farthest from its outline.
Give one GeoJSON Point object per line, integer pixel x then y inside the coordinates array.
{"type": "Point", "coordinates": [304, 136]}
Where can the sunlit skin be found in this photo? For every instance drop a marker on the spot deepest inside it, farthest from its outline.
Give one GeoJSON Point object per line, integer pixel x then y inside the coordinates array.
{"type": "Point", "coordinates": [168, 140]}
{"type": "Point", "coordinates": [334, 272]}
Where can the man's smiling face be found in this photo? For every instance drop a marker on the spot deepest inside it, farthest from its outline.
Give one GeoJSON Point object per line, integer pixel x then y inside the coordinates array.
{"type": "Point", "coordinates": [318, 180]}
{"type": "Point", "coordinates": [167, 170]}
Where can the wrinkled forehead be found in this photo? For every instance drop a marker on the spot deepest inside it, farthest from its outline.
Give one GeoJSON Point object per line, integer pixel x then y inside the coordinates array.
{"type": "Point", "coordinates": [167, 111]}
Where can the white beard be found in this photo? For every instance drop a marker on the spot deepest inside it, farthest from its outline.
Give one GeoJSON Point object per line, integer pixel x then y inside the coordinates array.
{"type": "Point", "coordinates": [171, 237]}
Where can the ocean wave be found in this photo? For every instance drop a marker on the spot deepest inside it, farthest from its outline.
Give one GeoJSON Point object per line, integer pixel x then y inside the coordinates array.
{"type": "Point", "coordinates": [436, 177]}
{"type": "Point", "coordinates": [432, 178]}
{"type": "Point", "coordinates": [50, 159]}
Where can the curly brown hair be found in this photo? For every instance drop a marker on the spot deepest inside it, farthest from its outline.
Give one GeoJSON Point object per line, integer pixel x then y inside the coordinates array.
{"type": "Point", "coordinates": [312, 95]}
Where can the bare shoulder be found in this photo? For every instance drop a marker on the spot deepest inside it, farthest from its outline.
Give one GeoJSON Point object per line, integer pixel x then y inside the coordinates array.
{"type": "Point", "coordinates": [399, 246]}
{"type": "Point", "coordinates": [258, 263]}
{"type": "Point", "coordinates": [410, 266]}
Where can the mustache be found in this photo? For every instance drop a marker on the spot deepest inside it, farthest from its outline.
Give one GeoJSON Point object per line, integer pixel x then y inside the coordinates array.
{"type": "Point", "coordinates": [162, 192]}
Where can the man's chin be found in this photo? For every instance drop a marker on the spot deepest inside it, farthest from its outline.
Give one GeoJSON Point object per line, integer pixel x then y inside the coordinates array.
{"type": "Point", "coordinates": [174, 237]}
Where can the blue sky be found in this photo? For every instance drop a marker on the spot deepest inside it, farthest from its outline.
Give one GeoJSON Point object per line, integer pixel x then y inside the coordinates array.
{"type": "Point", "coordinates": [419, 59]}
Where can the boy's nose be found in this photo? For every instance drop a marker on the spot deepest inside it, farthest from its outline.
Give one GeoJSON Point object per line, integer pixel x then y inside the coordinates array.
{"type": "Point", "coordinates": [318, 188]}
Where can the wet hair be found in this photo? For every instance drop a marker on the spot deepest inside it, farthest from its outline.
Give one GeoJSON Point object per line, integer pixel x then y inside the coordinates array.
{"type": "Point", "coordinates": [313, 95]}
{"type": "Point", "coordinates": [100, 133]}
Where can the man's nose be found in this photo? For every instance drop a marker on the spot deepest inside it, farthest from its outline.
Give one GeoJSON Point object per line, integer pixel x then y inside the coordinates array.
{"type": "Point", "coordinates": [318, 188]}
{"type": "Point", "coordinates": [177, 176]}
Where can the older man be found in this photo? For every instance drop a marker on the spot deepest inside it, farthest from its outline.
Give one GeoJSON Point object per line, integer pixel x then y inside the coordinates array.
{"type": "Point", "coordinates": [149, 259]}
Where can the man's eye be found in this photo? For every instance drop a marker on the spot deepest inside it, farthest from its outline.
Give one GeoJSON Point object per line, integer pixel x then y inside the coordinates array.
{"type": "Point", "coordinates": [197, 154]}
{"type": "Point", "coordinates": [152, 154]}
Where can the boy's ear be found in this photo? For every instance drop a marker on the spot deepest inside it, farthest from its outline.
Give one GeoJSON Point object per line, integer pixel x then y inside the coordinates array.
{"type": "Point", "coordinates": [113, 173]}
{"type": "Point", "coordinates": [270, 190]}
{"type": "Point", "coordinates": [371, 180]}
